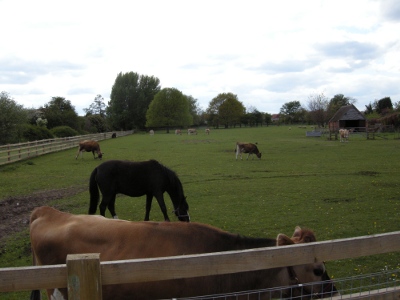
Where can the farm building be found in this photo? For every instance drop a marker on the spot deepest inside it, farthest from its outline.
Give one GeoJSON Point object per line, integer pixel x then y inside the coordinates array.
{"type": "Point", "coordinates": [347, 117]}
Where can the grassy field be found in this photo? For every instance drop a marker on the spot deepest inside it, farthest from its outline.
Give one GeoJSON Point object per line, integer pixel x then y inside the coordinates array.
{"type": "Point", "coordinates": [339, 190]}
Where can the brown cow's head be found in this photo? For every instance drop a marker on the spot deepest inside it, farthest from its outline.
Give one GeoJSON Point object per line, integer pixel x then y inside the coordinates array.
{"type": "Point", "coordinates": [301, 277]}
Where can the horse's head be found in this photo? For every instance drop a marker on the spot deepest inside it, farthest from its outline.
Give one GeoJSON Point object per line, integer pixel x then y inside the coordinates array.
{"type": "Point", "coordinates": [182, 211]}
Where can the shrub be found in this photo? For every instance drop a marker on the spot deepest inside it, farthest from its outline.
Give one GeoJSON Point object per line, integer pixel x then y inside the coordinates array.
{"type": "Point", "coordinates": [34, 133]}
{"type": "Point", "coordinates": [64, 131]}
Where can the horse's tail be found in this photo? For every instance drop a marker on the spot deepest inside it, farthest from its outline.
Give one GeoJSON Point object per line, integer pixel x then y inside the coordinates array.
{"type": "Point", "coordinates": [94, 193]}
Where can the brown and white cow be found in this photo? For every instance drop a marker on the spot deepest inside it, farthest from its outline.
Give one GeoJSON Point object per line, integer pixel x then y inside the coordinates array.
{"type": "Point", "coordinates": [89, 146]}
{"type": "Point", "coordinates": [178, 132]}
{"type": "Point", "coordinates": [247, 148]}
{"type": "Point", "coordinates": [207, 131]}
{"type": "Point", "coordinates": [344, 135]}
{"type": "Point", "coordinates": [192, 131]}
{"type": "Point", "coordinates": [56, 234]}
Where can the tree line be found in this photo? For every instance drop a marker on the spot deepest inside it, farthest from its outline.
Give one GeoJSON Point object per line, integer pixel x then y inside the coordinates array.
{"type": "Point", "coordinates": [138, 102]}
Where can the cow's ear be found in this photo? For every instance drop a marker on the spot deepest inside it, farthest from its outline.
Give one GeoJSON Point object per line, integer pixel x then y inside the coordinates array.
{"type": "Point", "coordinates": [297, 232]}
{"type": "Point", "coordinates": [283, 240]}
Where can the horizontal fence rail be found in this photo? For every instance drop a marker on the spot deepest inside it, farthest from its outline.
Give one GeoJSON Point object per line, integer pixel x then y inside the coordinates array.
{"type": "Point", "coordinates": [15, 152]}
{"type": "Point", "coordinates": [185, 266]}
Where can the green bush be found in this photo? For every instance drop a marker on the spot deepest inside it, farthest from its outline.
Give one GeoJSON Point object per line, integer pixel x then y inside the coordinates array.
{"type": "Point", "coordinates": [35, 133]}
{"type": "Point", "coordinates": [64, 131]}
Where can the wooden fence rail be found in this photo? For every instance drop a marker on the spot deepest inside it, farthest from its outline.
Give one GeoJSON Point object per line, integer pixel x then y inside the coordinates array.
{"type": "Point", "coordinates": [144, 270]}
{"type": "Point", "coordinates": [15, 152]}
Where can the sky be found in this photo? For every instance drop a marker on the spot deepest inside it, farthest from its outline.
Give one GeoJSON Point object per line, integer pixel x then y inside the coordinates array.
{"type": "Point", "coordinates": [267, 53]}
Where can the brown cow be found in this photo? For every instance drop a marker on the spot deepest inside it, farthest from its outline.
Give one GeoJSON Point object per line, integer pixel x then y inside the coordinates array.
{"type": "Point", "coordinates": [89, 146]}
{"type": "Point", "coordinates": [247, 148]}
{"type": "Point", "coordinates": [56, 234]}
{"type": "Point", "coordinates": [192, 131]}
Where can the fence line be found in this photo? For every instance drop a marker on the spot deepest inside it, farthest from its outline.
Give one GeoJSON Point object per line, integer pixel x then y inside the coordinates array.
{"type": "Point", "coordinates": [15, 152]}
{"type": "Point", "coordinates": [154, 269]}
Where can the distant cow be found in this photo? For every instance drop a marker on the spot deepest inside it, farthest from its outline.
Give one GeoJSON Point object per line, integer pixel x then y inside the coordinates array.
{"type": "Point", "coordinates": [114, 135]}
{"type": "Point", "coordinates": [178, 131]}
{"type": "Point", "coordinates": [247, 148]}
{"type": "Point", "coordinates": [344, 135]}
{"type": "Point", "coordinates": [192, 131]}
{"type": "Point", "coordinates": [89, 146]}
{"type": "Point", "coordinates": [207, 130]}
{"type": "Point", "coordinates": [56, 234]}
{"type": "Point", "coordinates": [151, 132]}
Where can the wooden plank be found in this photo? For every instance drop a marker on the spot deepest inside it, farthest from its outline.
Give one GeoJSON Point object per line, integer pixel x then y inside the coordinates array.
{"type": "Point", "coordinates": [140, 270]}
{"type": "Point", "coordinates": [32, 278]}
{"type": "Point", "coordinates": [84, 277]}
{"type": "Point", "coordinates": [247, 260]}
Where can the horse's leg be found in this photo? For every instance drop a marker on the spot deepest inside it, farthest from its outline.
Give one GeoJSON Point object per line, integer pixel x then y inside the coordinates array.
{"type": "Point", "coordinates": [161, 203]}
{"type": "Point", "coordinates": [111, 207]}
{"type": "Point", "coordinates": [107, 200]}
{"type": "Point", "coordinates": [149, 199]}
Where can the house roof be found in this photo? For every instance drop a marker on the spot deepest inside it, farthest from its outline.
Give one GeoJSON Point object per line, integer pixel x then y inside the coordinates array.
{"type": "Point", "coordinates": [348, 112]}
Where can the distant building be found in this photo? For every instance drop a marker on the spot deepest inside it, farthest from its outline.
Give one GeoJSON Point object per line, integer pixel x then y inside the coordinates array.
{"type": "Point", "coordinates": [275, 118]}
{"type": "Point", "coordinates": [347, 117]}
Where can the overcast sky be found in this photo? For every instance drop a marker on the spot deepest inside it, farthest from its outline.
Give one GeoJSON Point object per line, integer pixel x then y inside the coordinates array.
{"type": "Point", "coordinates": [268, 53]}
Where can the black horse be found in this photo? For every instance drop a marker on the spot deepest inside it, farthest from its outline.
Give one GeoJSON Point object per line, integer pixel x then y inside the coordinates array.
{"type": "Point", "coordinates": [136, 179]}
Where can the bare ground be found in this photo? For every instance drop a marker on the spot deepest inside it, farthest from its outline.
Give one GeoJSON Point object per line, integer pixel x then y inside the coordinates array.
{"type": "Point", "coordinates": [15, 211]}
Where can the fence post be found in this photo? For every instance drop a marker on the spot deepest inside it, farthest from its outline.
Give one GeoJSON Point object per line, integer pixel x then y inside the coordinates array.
{"type": "Point", "coordinates": [84, 276]}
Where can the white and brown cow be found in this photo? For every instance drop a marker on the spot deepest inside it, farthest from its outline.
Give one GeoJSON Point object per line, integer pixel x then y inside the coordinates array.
{"type": "Point", "coordinates": [247, 148]}
{"type": "Point", "coordinates": [207, 131]}
{"type": "Point", "coordinates": [344, 135]}
{"type": "Point", "coordinates": [192, 131]}
{"type": "Point", "coordinates": [89, 146]}
{"type": "Point", "coordinates": [56, 234]}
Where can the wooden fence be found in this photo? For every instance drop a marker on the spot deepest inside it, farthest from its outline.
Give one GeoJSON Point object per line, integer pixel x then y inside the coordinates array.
{"type": "Point", "coordinates": [88, 269]}
{"type": "Point", "coordinates": [15, 152]}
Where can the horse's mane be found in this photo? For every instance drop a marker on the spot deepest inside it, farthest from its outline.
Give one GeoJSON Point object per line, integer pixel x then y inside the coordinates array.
{"type": "Point", "coordinates": [173, 179]}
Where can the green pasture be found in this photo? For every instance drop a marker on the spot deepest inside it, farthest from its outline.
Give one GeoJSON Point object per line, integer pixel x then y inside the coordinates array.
{"type": "Point", "coordinates": [339, 190]}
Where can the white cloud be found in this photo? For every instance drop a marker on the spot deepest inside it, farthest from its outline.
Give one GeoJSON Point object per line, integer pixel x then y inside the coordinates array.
{"type": "Point", "coordinates": [268, 53]}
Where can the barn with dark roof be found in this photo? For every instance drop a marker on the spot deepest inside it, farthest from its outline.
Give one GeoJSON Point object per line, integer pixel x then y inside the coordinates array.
{"type": "Point", "coordinates": [348, 117]}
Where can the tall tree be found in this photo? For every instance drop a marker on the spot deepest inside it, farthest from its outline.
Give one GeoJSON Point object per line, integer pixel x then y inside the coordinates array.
{"type": "Point", "coordinates": [97, 107]}
{"type": "Point", "coordinates": [130, 98]}
{"type": "Point", "coordinates": [60, 112]}
{"type": "Point", "coordinates": [221, 113]}
{"type": "Point", "coordinates": [318, 105]}
{"type": "Point", "coordinates": [12, 117]}
{"type": "Point", "coordinates": [290, 110]}
{"type": "Point", "coordinates": [384, 105]}
{"type": "Point", "coordinates": [169, 108]}
{"type": "Point", "coordinates": [337, 102]}
{"type": "Point", "coordinates": [194, 110]}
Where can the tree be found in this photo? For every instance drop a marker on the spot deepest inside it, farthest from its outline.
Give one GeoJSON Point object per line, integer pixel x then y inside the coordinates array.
{"type": "Point", "coordinates": [291, 110]}
{"type": "Point", "coordinates": [12, 117]}
{"type": "Point", "coordinates": [130, 98]}
{"type": "Point", "coordinates": [97, 107]}
{"type": "Point", "coordinates": [194, 110]}
{"type": "Point", "coordinates": [60, 112]}
{"type": "Point", "coordinates": [225, 109]}
{"type": "Point", "coordinates": [169, 108]}
{"type": "Point", "coordinates": [384, 105]}
{"type": "Point", "coordinates": [337, 102]}
{"type": "Point", "coordinates": [318, 105]}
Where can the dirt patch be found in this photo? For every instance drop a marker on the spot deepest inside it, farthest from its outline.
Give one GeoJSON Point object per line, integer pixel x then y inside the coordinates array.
{"type": "Point", "coordinates": [15, 211]}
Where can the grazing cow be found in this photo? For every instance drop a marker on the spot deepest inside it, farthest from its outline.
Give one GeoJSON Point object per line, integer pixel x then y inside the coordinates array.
{"type": "Point", "coordinates": [344, 135]}
{"type": "Point", "coordinates": [207, 131]}
{"type": "Point", "coordinates": [56, 234]}
{"type": "Point", "coordinates": [192, 131]}
{"type": "Point", "coordinates": [178, 131]}
{"type": "Point", "coordinates": [114, 135]}
{"type": "Point", "coordinates": [247, 148]}
{"type": "Point", "coordinates": [89, 146]}
{"type": "Point", "coordinates": [151, 132]}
